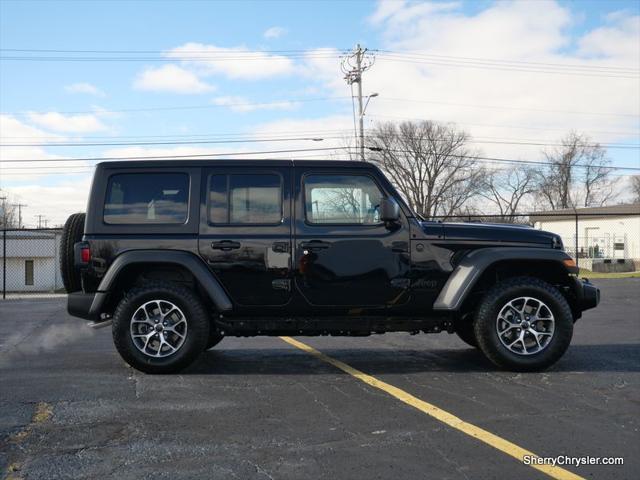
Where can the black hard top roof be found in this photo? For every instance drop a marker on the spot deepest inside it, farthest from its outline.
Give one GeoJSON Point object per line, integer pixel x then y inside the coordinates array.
{"type": "Point", "coordinates": [189, 162]}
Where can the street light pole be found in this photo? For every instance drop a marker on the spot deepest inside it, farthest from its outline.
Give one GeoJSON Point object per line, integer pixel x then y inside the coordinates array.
{"type": "Point", "coordinates": [362, 112]}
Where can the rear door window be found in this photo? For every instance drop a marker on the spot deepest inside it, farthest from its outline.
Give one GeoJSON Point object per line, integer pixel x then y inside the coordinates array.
{"type": "Point", "coordinates": [147, 198]}
{"type": "Point", "coordinates": [245, 199]}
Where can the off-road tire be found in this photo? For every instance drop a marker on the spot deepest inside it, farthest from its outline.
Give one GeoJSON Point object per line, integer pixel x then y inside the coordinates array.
{"type": "Point", "coordinates": [466, 332]}
{"type": "Point", "coordinates": [487, 314]}
{"type": "Point", "coordinates": [214, 337]}
{"type": "Point", "coordinates": [197, 333]}
{"type": "Point", "coordinates": [71, 233]}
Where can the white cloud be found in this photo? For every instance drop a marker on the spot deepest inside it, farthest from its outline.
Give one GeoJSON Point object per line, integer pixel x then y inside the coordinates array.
{"type": "Point", "coordinates": [322, 65]}
{"type": "Point", "coordinates": [134, 151]}
{"type": "Point", "coordinates": [539, 106]}
{"type": "Point", "coordinates": [274, 32]}
{"type": "Point", "coordinates": [243, 105]}
{"type": "Point", "coordinates": [14, 131]}
{"type": "Point", "coordinates": [26, 180]}
{"type": "Point", "coordinates": [83, 87]}
{"type": "Point", "coordinates": [170, 78]}
{"type": "Point", "coordinates": [80, 123]}
{"type": "Point", "coordinates": [336, 132]}
{"type": "Point", "coordinates": [236, 62]}
{"type": "Point", "coordinates": [401, 12]}
{"type": "Point", "coordinates": [55, 202]}
{"type": "Point", "coordinates": [610, 42]}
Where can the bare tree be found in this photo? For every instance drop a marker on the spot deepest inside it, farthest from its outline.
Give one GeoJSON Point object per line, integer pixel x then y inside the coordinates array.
{"type": "Point", "coordinates": [508, 188]}
{"type": "Point", "coordinates": [8, 212]}
{"type": "Point", "coordinates": [430, 164]}
{"type": "Point", "coordinates": [578, 174]}
{"type": "Point", "coordinates": [635, 188]}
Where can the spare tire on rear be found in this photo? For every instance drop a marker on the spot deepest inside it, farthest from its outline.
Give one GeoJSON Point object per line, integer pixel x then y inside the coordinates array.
{"type": "Point", "coordinates": [71, 233]}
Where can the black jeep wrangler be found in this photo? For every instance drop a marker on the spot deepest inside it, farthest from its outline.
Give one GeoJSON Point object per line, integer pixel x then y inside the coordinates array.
{"type": "Point", "coordinates": [176, 255]}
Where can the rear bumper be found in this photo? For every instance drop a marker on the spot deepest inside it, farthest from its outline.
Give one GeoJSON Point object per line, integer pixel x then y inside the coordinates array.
{"type": "Point", "coordinates": [79, 305]}
{"type": "Point", "coordinates": [588, 295]}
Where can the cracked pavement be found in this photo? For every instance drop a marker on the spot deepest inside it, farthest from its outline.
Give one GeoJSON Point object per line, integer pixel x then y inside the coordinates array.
{"type": "Point", "coordinates": [257, 408]}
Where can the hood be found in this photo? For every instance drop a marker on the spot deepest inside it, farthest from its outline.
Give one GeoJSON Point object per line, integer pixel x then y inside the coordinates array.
{"type": "Point", "coordinates": [500, 233]}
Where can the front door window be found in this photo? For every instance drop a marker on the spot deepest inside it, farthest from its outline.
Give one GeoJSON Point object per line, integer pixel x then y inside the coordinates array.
{"type": "Point", "coordinates": [342, 199]}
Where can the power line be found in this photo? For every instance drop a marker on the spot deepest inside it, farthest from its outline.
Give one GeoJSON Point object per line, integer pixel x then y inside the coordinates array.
{"type": "Point", "coordinates": [158, 157]}
{"type": "Point", "coordinates": [184, 142]}
{"type": "Point", "coordinates": [231, 55]}
{"type": "Point", "coordinates": [505, 107]}
{"type": "Point", "coordinates": [420, 54]}
{"type": "Point", "coordinates": [404, 53]}
{"type": "Point", "coordinates": [490, 125]}
{"type": "Point", "coordinates": [511, 67]}
{"type": "Point", "coordinates": [278, 133]}
{"type": "Point", "coordinates": [293, 101]}
{"type": "Point", "coordinates": [47, 173]}
{"type": "Point", "coordinates": [174, 57]}
{"type": "Point", "coordinates": [281, 133]}
{"type": "Point", "coordinates": [178, 107]}
{"type": "Point", "coordinates": [48, 50]}
{"type": "Point", "coordinates": [509, 160]}
{"type": "Point", "coordinates": [293, 139]}
{"type": "Point", "coordinates": [236, 53]}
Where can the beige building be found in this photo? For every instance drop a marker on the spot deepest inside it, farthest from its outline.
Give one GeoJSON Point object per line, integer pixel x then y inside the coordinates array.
{"type": "Point", "coordinates": [605, 235]}
{"type": "Point", "coordinates": [32, 261]}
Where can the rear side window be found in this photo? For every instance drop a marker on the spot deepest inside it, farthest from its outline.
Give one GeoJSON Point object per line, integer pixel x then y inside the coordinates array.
{"type": "Point", "coordinates": [147, 198]}
{"type": "Point", "coordinates": [245, 199]}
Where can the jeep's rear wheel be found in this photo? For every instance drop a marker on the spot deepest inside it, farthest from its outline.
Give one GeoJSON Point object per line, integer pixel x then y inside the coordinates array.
{"type": "Point", "coordinates": [160, 328]}
{"type": "Point", "coordinates": [524, 324]}
{"type": "Point", "coordinates": [71, 233]}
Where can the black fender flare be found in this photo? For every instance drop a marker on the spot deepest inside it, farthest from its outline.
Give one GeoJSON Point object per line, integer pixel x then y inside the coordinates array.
{"type": "Point", "coordinates": [177, 257]}
{"type": "Point", "coordinates": [471, 267]}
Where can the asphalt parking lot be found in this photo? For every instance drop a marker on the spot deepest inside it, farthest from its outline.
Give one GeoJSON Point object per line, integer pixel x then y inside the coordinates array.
{"type": "Point", "coordinates": [259, 408]}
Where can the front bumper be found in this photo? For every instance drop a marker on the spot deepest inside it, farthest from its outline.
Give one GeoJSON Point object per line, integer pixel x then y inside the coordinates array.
{"type": "Point", "coordinates": [588, 295]}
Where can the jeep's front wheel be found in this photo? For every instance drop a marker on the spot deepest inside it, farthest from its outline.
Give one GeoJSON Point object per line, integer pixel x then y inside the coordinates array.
{"type": "Point", "coordinates": [524, 324]}
{"type": "Point", "coordinates": [160, 328]}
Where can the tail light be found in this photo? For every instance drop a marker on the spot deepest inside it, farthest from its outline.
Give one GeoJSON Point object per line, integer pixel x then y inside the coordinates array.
{"type": "Point", "coordinates": [82, 254]}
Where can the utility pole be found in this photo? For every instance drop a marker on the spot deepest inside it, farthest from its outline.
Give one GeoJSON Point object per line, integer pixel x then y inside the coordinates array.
{"type": "Point", "coordinates": [20, 205]}
{"type": "Point", "coordinates": [40, 217]}
{"type": "Point", "coordinates": [353, 66]}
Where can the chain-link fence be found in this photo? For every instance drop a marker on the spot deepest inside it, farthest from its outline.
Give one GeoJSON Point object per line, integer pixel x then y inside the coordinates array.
{"type": "Point", "coordinates": [601, 239]}
{"type": "Point", "coordinates": [30, 263]}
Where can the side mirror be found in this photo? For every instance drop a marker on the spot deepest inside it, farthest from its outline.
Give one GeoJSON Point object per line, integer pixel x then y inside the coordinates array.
{"type": "Point", "coordinates": [389, 210]}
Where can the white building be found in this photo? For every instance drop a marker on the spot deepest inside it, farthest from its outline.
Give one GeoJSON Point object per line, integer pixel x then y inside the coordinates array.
{"type": "Point", "coordinates": [605, 234]}
{"type": "Point", "coordinates": [32, 261]}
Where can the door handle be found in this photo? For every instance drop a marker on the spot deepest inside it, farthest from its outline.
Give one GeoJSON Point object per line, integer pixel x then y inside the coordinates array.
{"type": "Point", "coordinates": [315, 245]}
{"type": "Point", "coordinates": [225, 245]}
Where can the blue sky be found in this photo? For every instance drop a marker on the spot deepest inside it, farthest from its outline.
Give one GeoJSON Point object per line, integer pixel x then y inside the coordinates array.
{"type": "Point", "coordinates": [38, 98]}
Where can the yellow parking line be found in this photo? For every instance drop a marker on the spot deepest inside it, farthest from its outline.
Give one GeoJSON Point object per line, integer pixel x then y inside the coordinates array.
{"type": "Point", "coordinates": [489, 438]}
{"type": "Point", "coordinates": [41, 414]}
